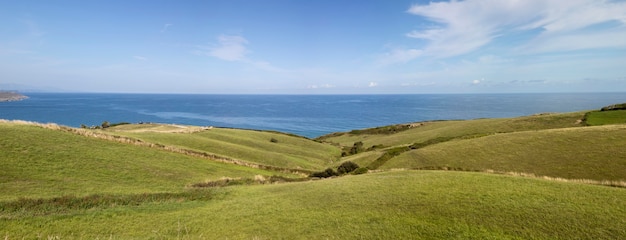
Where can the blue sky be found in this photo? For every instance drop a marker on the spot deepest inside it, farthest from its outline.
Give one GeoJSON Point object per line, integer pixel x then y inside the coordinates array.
{"type": "Point", "coordinates": [314, 47]}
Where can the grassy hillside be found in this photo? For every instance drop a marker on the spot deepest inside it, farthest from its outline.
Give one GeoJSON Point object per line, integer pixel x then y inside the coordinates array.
{"type": "Point", "coordinates": [63, 185]}
{"type": "Point", "coordinates": [597, 153]}
{"type": "Point", "coordinates": [390, 205]}
{"type": "Point", "coordinates": [38, 162]}
{"type": "Point", "coordinates": [267, 148]}
{"type": "Point", "coordinates": [454, 129]}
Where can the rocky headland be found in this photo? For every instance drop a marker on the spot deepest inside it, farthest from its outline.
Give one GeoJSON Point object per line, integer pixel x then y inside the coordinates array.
{"type": "Point", "coordinates": [11, 96]}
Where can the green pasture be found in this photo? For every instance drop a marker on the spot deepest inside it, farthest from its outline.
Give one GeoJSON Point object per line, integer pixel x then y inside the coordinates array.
{"type": "Point", "coordinates": [597, 153]}
{"type": "Point", "coordinates": [389, 205]}
{"type": "Point", "coordinates": [596, 118]}
{"type": "Point", "coordinates": [38, 162]}
{"type": "Point", "coordinates": [57, 184]}
{"type": "Point", "coordinates": [267, 148]}
{"type": "Point", "coordinates": [458, 129]}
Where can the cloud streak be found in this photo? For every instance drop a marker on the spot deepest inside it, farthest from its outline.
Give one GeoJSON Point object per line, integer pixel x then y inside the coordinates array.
{"type": "Point", "coordinates": [230, 48]}
{"type": "Point", "coordinates": [461, 27]}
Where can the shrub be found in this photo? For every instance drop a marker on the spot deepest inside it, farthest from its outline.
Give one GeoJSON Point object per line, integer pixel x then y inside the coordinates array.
{"type": "Point", "coordinates": [360, 170]}
{"type": "Point", "coordinates": [357, 147]}
{"type": "Point", "coordinates": [274, 140]}
{"type": "Point", "coordinates": [329, 172]}
{"type": "Point", "coordinates": [347, 167]}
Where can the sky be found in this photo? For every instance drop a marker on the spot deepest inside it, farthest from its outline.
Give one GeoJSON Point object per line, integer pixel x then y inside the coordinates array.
{"type": "Point", "coordinates": [313, 47]}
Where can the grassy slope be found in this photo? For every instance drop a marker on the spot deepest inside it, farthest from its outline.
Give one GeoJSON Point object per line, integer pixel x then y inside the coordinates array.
{"type": "Point", "coordinates": [247, 145]}
{"type": "Point", "coordinates": [39, 162]}
{"type": "Point", "coordinates": [597, 118]}
{"type": "Point", "coordinates": [431, 130]}
{"type": "Point", "coordinates": [390, 205]}
{"type": "Point", "coordinates": [597, 153]}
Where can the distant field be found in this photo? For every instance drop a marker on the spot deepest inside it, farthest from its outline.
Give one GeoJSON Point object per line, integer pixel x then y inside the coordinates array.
{"type": "Point", "coordinates": [455, 129]}
{"type": "Point", "coordinates": [390, 205]}
{"type": "Point", "coordinates": [597, 153]}
{"type": "Point", "coordinates": [268, 148]}
{"type": "Point", "coordinates": [597, 118]}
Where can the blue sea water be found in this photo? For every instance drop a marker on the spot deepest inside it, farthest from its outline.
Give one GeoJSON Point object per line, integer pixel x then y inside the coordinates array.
{"type": "Point", "coordinates": [306, 115]}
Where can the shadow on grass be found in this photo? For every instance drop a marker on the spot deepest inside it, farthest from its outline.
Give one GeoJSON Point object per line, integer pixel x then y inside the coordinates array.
{"type": "Point", "coordinates": [67, 204]}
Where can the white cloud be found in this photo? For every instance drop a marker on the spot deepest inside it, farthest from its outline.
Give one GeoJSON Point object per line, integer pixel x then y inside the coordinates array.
{"type": "Point", "coordinates": [140, 58]}
{"type": "Point", "coordinates": [230, 48]}
{"type": "Point", "coordinates": [476, 82]}
{"type": "Point", "coordinates": [400, 56]}
{"type": "Point", "coordinates": [373, 84]}
{"type": "Point", "coordinates": [233, 48]}
{"type": "Point", "coordinates": [320, 86]}
{"type": "Point", "coordinates": [464, 26]}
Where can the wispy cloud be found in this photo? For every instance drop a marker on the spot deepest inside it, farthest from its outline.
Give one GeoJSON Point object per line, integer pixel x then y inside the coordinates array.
{"type": "Point", "coordinates": [229, 48]}
{"type": "Point", "coordinates": [460, 27]}
{"type": "Point", "coordinates": [140, 58]}
{"type": "Point", "coordinates": [233, 48]}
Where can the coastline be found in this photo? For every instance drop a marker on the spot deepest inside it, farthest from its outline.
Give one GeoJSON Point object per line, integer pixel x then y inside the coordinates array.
{"type": "Point", "coordinates": [11, 96]}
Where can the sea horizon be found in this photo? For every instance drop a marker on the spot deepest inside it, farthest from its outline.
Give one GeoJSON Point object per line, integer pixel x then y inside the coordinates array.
{"type": "Point", "coordinates": [309, 115]}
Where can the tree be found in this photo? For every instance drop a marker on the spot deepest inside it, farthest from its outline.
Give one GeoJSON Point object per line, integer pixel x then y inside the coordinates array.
{"type": "Point", "coordinates": [105, 124]}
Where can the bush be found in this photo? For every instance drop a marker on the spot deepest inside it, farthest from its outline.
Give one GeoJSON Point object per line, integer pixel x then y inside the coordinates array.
{"type": "Point", "coordinates": [347, 167]}
{"type": "Point", "coordinates": [329, 172]}
{"type": "Point", "coordinates": [360, 170]}
{"type": "Point", "coordinates": [357, 147]}
{"type": "Point", "coordinates": [274, 140]}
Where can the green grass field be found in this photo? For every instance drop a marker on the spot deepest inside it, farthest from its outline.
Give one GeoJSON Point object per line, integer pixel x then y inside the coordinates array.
{"type": "Point", "coordinates": [390, 205]}
{"type": "Point", "coordinates": [61, 183]}
{"type": "Point", "coordinates": [456, 129]}
{"type": "Point", "coordinates": [597, 153]}
{"type": "Point", "coordinates": [596, 118]}
{"type": "Point", "coordinates": [38, 162]}
{"type": "Point", "coordinates": [246, 145]}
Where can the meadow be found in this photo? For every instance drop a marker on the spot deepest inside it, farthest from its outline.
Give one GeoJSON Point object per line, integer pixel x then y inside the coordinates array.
{"type": "Point", "coordinates": [546, 176]}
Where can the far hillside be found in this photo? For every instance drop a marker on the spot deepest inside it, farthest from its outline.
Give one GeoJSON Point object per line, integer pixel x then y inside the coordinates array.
{"type": "Point", "coordinates": [261, 147]}
{"type": "Point", "coordinates": [407, 134]}
{"type": "Point", "coordinates": [597, 153]}
{"type": "Point", "coordinates": [614, 114]}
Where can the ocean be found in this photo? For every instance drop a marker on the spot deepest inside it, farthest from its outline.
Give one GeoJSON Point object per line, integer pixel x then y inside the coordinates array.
{"type": "Point", "coordinates": [306, 115]}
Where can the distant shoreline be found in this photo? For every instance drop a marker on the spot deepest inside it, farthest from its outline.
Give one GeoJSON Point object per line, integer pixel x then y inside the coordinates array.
{"type": "Point", "coordinates": [11, 96]}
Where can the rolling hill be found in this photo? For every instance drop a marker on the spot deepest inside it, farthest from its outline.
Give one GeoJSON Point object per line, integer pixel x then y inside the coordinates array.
{"type": "Point", "coordinates": [141, 181]}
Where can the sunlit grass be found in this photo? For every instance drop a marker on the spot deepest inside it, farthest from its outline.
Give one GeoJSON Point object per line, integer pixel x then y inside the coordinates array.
{"type": "Point", "coordinates": [38, 162]}
{"type": "Point", "coordinates": [457, 129]}
{"type": "Point", "coordinates": [390, 205]}
{"type": "Point", "coordinates": [267, 148]}
{"type": "Point", "coordinates": [596, 118]}
{"type": "Point", "coordinates": [597, 153]}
